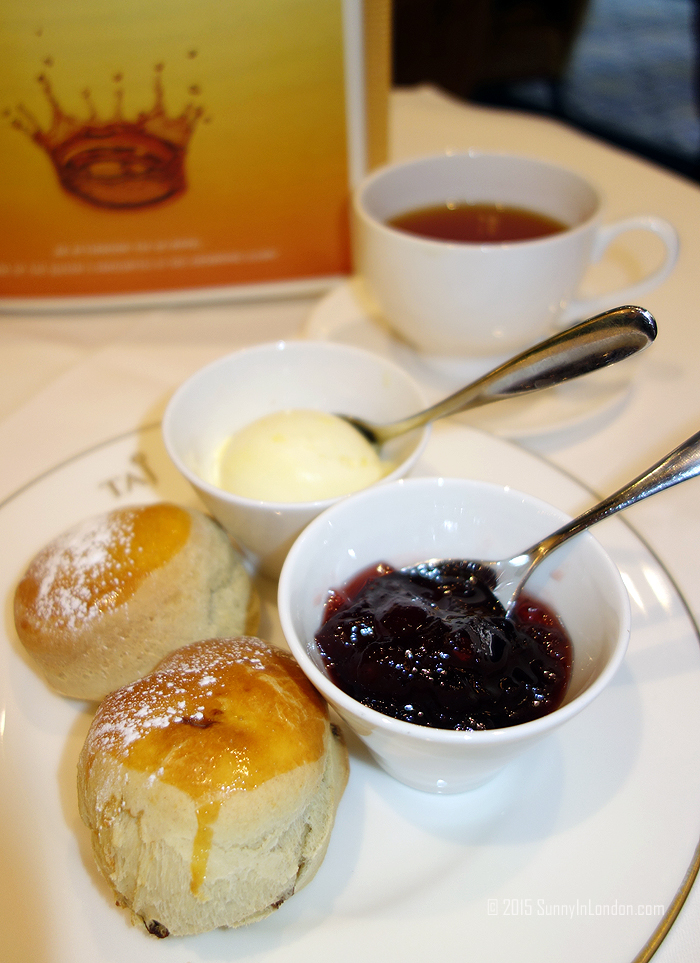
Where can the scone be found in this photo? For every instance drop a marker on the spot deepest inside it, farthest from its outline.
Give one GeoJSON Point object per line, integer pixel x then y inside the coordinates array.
{"type": "Point", "coordinates": [211, 785]}
{"type": "Point", "coordinates": [104, 602]}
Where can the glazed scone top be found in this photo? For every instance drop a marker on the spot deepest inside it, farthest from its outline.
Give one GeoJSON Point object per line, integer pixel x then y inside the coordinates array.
{"type": "Point", "coordinates": [99, 564]}
{"type": "Point", "coordinates": [252, 710]}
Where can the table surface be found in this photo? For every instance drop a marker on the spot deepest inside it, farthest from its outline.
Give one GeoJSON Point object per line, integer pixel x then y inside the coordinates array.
{"type": "Point", "coordinates": [70, 381]}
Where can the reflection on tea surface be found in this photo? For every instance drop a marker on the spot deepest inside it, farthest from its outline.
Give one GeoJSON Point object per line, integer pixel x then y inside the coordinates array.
{"type": "Point", "coordinates": [477, 223]}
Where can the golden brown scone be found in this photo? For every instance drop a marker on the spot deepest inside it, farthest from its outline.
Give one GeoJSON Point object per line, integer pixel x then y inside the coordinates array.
{"type": "Point", "coordinates": [102, 604]}
{"type": "Point", "coordinates": [211, 785]}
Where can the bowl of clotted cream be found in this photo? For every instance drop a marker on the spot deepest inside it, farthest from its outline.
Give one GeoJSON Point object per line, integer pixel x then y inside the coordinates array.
{"type": "Point", "coordinates": [257, 435]}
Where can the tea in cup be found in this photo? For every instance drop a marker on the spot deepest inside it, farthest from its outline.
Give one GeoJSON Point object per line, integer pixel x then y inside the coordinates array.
{"type": "Point", "coordinates": [482, 254]}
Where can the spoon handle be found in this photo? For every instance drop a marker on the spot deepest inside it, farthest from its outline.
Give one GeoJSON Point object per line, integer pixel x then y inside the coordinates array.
{"type": "Point", "coordinates": [678, 466]}
{"type": "Point", "coordinates": [596, 343]}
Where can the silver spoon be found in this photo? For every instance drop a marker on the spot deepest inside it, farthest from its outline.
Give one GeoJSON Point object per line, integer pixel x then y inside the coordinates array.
{"type": "Point", "coordinates": [596, 343]}
{"type": "Point", "coordinates": [507, 576]}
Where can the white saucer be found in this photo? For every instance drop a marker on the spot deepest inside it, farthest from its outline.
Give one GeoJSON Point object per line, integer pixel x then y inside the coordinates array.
{"type": "Point", "coordinates": [576, 852]}
{"type": "Point", "coordinates": [346, 315]}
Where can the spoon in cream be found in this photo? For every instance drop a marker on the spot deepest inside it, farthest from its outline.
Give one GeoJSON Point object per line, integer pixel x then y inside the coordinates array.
{"type": "Point", "coordinates": [587, 346]}
{"type": "Point", "coordinates": [506, 577]}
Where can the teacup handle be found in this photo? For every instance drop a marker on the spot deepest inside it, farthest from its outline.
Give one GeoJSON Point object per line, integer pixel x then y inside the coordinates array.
{"type": "Point", "coordinates": [577, 309]}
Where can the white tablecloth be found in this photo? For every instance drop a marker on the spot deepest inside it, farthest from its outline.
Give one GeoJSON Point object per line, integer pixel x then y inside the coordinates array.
{"type": "Point", "coordinates": [69, 381]}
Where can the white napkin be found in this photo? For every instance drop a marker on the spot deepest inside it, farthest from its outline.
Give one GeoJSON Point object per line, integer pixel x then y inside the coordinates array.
{"type": "Point", "coordinates": [61, 397]}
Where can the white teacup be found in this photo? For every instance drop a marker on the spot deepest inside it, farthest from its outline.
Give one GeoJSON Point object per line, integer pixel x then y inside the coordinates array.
{"type": "Point", "coordinates": [471, 298]}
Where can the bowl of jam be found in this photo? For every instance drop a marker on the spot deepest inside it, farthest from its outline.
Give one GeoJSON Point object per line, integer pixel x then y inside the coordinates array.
{"type": "Point", "coordinates": [387, 618]}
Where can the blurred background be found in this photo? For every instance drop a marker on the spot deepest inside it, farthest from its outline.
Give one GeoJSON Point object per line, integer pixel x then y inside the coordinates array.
{"type": "Point", "coordinates": [623, 70]}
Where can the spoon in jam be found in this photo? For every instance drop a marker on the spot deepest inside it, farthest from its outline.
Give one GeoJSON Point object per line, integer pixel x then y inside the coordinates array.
{"type": "Point", "coordinates": [506, 577]}
{"type": "Point", "coordinates": [601, 341]}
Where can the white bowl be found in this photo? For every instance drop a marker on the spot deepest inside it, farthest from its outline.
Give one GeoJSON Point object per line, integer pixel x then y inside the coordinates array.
{"type": "Point", "coordinates": [415, 519]}
{"type": "Point", "coordinates": [238, 389]}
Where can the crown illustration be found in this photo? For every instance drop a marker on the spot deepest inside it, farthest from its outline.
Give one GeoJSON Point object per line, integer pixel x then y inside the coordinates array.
{"type": "Point", "coordinates": [115, 162]}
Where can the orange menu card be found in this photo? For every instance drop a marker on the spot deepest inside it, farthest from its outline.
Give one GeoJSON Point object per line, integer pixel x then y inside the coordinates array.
{"type": "Point", "coordinates": [183, 149]}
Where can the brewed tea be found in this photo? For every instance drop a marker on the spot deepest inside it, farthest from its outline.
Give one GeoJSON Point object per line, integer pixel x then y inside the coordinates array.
{"type": "Point", "coordinates": [477, 223]}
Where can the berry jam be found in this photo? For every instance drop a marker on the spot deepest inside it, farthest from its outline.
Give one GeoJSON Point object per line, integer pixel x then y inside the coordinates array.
{"type": "Point", "coordinates": [432, 645]}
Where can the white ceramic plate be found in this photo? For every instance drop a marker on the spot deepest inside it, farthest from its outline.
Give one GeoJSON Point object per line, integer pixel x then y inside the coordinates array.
{"type": "Point", "coordinates": [346, 315]}
{"type": "Point", "coordinates": [577, 852]}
